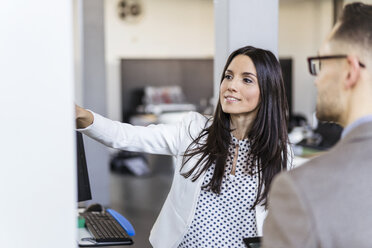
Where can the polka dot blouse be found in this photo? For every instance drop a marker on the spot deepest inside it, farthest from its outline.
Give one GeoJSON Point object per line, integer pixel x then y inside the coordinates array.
{"type": "Point", "coordinates": [224, 220]}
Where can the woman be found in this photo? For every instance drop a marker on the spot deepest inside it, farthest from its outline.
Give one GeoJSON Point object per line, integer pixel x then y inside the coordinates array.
{"type": "Point", "coordinates": [224, 164]}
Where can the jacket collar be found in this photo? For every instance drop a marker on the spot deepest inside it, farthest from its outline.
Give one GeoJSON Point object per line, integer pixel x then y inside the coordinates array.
{"type": "Point", "coordinates": [359, 133]}
{"type": "Point", "coordinates": [355, 124]}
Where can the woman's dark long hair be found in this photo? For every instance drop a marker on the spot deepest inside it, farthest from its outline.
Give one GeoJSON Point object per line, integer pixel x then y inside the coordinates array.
{"type": "Point", "coordinates": [268, 133]}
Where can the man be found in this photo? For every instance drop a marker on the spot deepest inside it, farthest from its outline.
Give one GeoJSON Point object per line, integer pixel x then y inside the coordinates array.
{"type": "Point", "coordinates": [328, 201]}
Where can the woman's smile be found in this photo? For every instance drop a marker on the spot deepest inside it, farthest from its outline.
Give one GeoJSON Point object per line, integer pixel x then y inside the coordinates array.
{"type": "Point", "coordinates": [231, 99]}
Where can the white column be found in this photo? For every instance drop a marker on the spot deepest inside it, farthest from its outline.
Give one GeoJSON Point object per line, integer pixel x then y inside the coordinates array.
{"type": "Point", "coordinates": [37, 149]}
{"type": "Point", "coordinates": [93, 92]}
{"type": "Point", "coordinates": [240, 23]}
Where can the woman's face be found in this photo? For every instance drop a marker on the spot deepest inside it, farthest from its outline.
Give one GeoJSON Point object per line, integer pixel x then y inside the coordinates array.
{"type": "Point", "coordinates": [239, 91]}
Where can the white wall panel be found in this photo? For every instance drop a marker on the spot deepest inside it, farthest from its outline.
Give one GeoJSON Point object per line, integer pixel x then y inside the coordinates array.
{"type": "Point", "coordinates": [37, 179]}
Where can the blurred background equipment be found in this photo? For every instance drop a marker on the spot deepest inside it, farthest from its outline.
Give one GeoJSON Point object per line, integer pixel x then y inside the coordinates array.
{"type": "Point", "coordinates": [170, 82]}
{"type": "Point", "coordinates": [164, 99]}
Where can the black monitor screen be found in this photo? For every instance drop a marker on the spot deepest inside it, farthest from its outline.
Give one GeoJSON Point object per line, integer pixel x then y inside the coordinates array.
{"type": "Point", "coordinates": [82, 171]}
{"type": "Point", "coordinates": [286, 66]}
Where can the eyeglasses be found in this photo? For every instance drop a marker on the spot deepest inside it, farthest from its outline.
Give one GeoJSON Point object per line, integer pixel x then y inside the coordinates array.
{"type": "Point", "coordinates": [315, 62]}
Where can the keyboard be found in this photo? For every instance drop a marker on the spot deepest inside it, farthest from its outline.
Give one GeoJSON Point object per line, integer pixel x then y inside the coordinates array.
{"type": "Point", "coordinates": [104, 227]}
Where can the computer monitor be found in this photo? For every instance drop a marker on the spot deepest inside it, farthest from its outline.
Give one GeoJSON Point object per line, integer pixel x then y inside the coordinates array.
{"type": "Point", "coordinates": [83, 189]}
{"type": "Point", "coordinates": [286, 66]}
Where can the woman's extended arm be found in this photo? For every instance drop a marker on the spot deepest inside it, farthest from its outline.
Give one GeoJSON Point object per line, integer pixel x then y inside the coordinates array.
{"type": "Point", "coordinates": [84, 118]}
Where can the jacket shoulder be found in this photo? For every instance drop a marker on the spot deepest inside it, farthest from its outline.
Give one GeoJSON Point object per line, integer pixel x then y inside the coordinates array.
{"type": "Point", "coordinates": [194, 122]}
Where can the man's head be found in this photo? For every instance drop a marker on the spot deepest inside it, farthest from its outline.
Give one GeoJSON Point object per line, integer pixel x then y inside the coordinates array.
{"type": "Point", "coordinates": [345, 59]}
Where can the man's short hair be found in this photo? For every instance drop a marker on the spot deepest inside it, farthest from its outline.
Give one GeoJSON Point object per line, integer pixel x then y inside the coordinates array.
{"type": "Point", "coordinates": [355, 25]}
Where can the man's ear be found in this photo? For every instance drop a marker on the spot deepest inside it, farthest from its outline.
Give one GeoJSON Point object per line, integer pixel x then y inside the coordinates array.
{"type": "Point", "coordinates": [353, 74]}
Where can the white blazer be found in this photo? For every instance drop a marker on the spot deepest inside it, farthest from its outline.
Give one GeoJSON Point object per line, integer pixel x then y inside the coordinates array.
{"type": "Point", "coordinates": [170, 139]}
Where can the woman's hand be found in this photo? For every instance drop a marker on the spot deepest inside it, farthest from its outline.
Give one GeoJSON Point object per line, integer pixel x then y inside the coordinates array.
{"type": "Point", "coordinates": [83, 117]}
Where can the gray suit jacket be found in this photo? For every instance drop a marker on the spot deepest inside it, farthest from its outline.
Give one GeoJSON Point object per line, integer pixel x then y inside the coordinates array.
{"type": "Point", "coordinates": [326, 202]}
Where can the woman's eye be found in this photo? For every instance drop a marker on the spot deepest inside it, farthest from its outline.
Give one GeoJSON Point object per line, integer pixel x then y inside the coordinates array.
{"type": "Point", "coordinates": [247, 80]}
{"type": "Point", "coordinates": [228, 77]}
